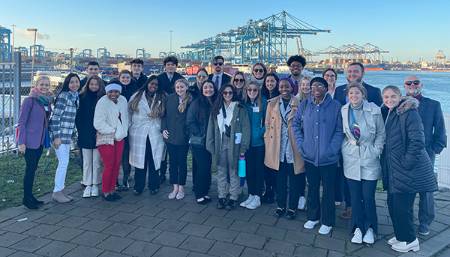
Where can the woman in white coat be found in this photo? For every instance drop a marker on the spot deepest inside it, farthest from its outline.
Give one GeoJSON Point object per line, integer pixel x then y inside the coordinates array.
{"type": "Point", "coordinates": [147, 147]}
{"type": "Point", "coordinates": [364, 139]}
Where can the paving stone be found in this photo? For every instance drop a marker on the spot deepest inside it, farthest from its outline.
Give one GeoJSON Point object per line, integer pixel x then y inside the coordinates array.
{"type": "Point", "coordinates": [148, 210]}
{"type": "Point", "coordinates": [10, 238]}
{"type": "Point", "coordinates": [196, 229]}
{"type": "Point", "coordinates": [335, 254]}
{"type": "Point", "coordinates": [171, 205]}
{"type": "Point", "coordinates": [264, 219]}
{"type": "Point", "coordinates": [271, 232]}
{"type": "Point", "coordinates": [170, 214]}
{"type": "Point", "coordinates": [197, 244]}
{"type": "Point", "coordinates": [244, 226]}
{"type": "Point", "coordinates": [192, 217]}
{"type": "Point", "coordinates": [119, 229]}
{"type": "Point", "coordinates": [143, 249]}
{"type": "Point", "coordinates": [20, 227]}
{"type": "Point", "coordinates": [250, 240]}
{"type": "Point", "coordinates": [55, 249]}
{"type": "Point", "coordinates": [80, 211]}
{"type": "Point", "coordinates": [171, 225]}
{"type": "Point", "coordinates": [300, 237]}
{"type": "Point", "coordinates": [221, 234]}
{"type": "Point", "coordinates": [223, 249]}
{"type": "Point", "coordinates": [373, 252]}
{"type": "Point", "coordinates": [59, 208]}
{"type": "Point", "coordinates": [89, 238]}
{"type": "Point", "coordinates": [42, 230]}
{"type": "Point", "coordinates": [212, 210]}
{"type": "Point", "coordinates": [170, 239]}
{"type": "Point", "coordinates": [170, 252]}
{"type": "Point", "coordinates": [6, 251]}
{"type": "Point", "coordinates": [30, 244]}
{"type": "Point", "coordinates": [102, 214]}
{"type": "Point", "coordinates": [241, 214]}
{"type": "Point", "coordinates": [124, 217]}
{"type": "Point", "coordinates": [194, 254]}
{"type": "Point", "coordinates": [65, 234]}
{"type": "Point", "coordinates": [330, 243]}
{"type": "Point", "coordinates": [115, 243]}
{"type": "Point", "coordinates": [144, 234]}
{"type": "Point", "coordinates": [128, 206]}
{"type": "Point", "coordinates": [96, 225]}
{"type": "Point", "coordinates": [52, 219]}
{"type": "Point", "coordinates": [250, 252]}
{"type": "Point", "coordinates": [290, 224]}
{"type": "Point", "coordinates": [147, 221]}
{"type": "Point", "coordinates": [84, 251]}
{"type": "Point", "coordinates": [310, 251]}
{"type": "Point", "coordinates": [23, 254]}
{"type": "Point", "coordinates": [220, 222]}
{"type": "Point", "coordinates": [73, 222]}
{"type": "Point", "coordinates": [194, 207]}
{"type": "Point", "coordinates": [277, 246]}
{"type": "Point", "coordinates": [112, 254]}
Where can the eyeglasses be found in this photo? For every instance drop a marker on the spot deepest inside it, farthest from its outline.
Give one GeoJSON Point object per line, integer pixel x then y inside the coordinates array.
{"type": "Point", "coordinates": [252, 90]}
{"type": "Point", "coordinates": [239, 80]}
{"type": "Point", "coordinates": [296, 66]}
{"type": "Point", "coordinates": [415, 82]}
{"type": "Point", "coordinates": [227, 93]}
{"type": "Point", "coordinates": [258, 70]}
{"type": "Point", "coordinates": [318, 85]}
{"type": "Point", "coordinates": [218, 63]}
{"type": "Point", "coordinates": [202, 76]}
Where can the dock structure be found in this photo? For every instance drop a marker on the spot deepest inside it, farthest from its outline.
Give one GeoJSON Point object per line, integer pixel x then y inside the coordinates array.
{"type": "Point", "coordinates": [5, 45]}
{"type": "Point", "coordinates": [263, 40]}
{"type": "Point", "coordinates": [354, 52]}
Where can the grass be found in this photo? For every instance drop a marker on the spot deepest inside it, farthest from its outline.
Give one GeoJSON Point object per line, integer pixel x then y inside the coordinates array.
{"type": "Point", "coordinates": [12, 169]}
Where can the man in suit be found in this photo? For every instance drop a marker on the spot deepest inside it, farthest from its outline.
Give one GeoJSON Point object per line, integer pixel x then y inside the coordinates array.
{"type": "Point", "coordinates": [137, 66]}
{"type": "Point", "coordinates": [435, 141]}
{"type": "Point", "coordinates": [166, 80]}
{"type": "Point", "coordinates": [219, 77]}
{"type": "Point", "coordinates": [355, 72]}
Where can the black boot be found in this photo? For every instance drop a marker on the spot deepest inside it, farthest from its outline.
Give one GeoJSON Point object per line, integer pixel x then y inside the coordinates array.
{"type": "Point", "coordinates": [36, 201]}
{"type": "Point", "coordinates": [30, 204]}
{"type": "Point", "coordinates": [221, 203]}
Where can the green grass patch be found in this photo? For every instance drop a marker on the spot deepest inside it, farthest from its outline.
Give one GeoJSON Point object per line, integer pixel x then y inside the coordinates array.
{"type": "Point", "coordinates": [12, 169]}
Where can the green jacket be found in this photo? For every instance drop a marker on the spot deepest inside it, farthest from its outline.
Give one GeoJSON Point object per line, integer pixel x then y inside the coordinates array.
{"type": "Point", "coordinates": [239, 124]}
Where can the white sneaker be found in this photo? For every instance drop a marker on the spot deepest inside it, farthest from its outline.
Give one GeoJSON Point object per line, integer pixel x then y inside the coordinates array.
{"type": "Point", "coordinates": [403, 247]}
{"type": "Point", "coordinates": [393, 241]}
{"type": "Point", "coordinates": [301, 203]}
{"type": "Point", "coordinates": [87, 192]}
{"type": "Point", "coordinates": [255, 203]}
{"type": "Point", "coordinates": [337, 203]}
{"type": "Point", "coordinates": [369, 237]}
{"type": "Point", "coordinates": [310, 224]}
{"type": "Point", "coordinates": [324, 229]}
{"type": "Point", "coordinates": [357, 236]}
{"type": "Point", "coordinates": [246, 202]}
{"type": "Point", "coordinates": [94, 190]}
{"type": "Point", "coordinates": [180, 195]}
{"type": "Point", "coordinates": [172, 195]}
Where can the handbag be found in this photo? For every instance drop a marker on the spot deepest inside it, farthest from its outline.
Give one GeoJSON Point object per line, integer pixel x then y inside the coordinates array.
{"type": "Point", "coordinates": [104, 139]}
{"type": "Point", "coordinates": [197, 141]}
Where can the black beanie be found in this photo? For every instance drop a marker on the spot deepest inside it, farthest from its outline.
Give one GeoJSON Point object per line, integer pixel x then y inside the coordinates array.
{"type": "Point", "coordinates": [320, 80]}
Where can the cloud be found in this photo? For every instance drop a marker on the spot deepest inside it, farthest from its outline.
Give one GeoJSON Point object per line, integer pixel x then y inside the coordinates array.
{"type": "Point", "coordinates": [30, 34]}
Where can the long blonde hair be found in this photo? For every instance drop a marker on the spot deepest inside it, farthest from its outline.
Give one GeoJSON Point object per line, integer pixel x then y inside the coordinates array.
{"type": "Point", "coordinates": [186, 99]}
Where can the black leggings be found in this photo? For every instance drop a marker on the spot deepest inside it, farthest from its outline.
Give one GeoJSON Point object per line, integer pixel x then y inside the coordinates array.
{"type": "Point", "coordinates": [201, 175]}
{"type": "Point", "coordinates": [177, 163]}
{"type": "Point", "coordinates": [255, 170]}
{"type": "Point", "coordinates": [32, 157]}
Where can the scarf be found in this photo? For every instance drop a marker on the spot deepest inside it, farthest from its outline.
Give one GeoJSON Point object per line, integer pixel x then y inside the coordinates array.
{"type": "Point", "coordinates": [43, 100]}
{"type": "Point", "coordinates": [353, 124]}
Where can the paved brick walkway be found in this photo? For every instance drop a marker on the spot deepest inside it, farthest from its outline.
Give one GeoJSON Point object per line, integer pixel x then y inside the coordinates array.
{"type": "Point", "coordinates": [155, 226]}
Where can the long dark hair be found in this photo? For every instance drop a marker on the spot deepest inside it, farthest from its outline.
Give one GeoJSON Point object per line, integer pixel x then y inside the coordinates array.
{"type": "Point", "coordinates": [206, 103]}
{"type": "Point", "coordinates": [159, 96]}
{"type": "Point", "coordinates": [65, 86]}
{"type": "Point", "coordinates": [275, 92]}
{"type": "Point", "coordinates": [219, 103]}
{"type": "Point", "coordinates": [101, 90]}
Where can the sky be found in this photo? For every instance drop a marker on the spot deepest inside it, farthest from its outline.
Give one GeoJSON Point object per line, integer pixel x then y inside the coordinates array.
{"type": "Point", "coordinates": [409, 30]}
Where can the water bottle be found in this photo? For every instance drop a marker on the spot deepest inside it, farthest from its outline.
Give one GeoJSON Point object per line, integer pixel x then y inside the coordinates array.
{"type": "Point", "coordinates": [241, 166]}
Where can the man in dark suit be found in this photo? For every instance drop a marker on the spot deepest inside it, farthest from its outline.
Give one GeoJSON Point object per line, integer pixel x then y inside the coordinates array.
{"type": "Point", "coordinates": [137, 66]}
{"type": "Point", "coordinates": [355, 72]}
{"type": "Point", "coordinates": [166, 80]}
{"type": "Point", "coordinates": [219, 77]}
{"type": "Point", "coordinates": [435, 141]}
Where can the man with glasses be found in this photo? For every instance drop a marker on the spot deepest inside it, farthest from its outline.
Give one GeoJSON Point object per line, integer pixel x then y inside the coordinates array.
{"type": "Point", "coordinates": [166, 80]}
{"type": "Point", "coordinates": [296, 63]}
{"type": "Point", "coordinates": [435, 141]}
{"type": "Point", "coordinates": [219, 77]}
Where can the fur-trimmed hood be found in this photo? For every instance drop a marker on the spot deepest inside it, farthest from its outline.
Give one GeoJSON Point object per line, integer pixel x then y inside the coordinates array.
{"type": "Point", "coordinates": [407, 103]}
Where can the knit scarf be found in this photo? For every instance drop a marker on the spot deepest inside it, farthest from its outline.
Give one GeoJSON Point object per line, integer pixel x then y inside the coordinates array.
{"type": "Point", "coordinates": [354, 126]}
{"type": "Point", "coordinates": [42, 99]}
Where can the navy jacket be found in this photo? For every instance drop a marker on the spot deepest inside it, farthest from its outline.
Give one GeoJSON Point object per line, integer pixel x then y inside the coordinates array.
{"type": "Point", "coordinates": [226, 79]}
{"type": "Point", "coordinates": [141, 80]}
{"type": "Point", "coordinates": [175, 122]}
{"type": "Point", "coordinates": [318, 131]}
{"type": "Point", "coordinates": [167, 85]}
{"type": "Point", "coordinates": [433, 126]}
{"type": "Point", "coordinates": [373, 94]}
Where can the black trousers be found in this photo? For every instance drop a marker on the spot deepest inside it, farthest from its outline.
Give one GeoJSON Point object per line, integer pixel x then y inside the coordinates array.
{"type": "Point", "coordinates": [364, 209]}
{"type": "Point", "coordinates": [342, 192]}
{"type": "Point", "coordinates": [400, 207]}
{"type": "Point", "coordinates": [255, 170]}
{"type": "Point", "coordinates": [126, 167]}
{"type": "Point", "coordinates": [149, 166]}
{"type": "Point", "coordinates": [315, 209]}
{"type": "Point", "coordinates": [286, 173]}
{"type": "Point", "coordinates": [201, 175]}
{"type": "Point", "coordinates": [32, 157]}
{"type": "Point", "coordinates": [163, 169]}
{"type": "Point", "coordinates": [177, 163]}
{"type": "Point", "coordinates": [270, 181]}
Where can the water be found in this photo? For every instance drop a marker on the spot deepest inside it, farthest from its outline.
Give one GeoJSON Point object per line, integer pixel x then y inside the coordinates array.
{"type": "Point", "coordinates": [436, 85]}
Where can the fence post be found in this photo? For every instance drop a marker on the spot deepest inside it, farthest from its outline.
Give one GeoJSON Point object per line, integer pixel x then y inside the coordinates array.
{"type": "Point", "coordinates": [17, 86]}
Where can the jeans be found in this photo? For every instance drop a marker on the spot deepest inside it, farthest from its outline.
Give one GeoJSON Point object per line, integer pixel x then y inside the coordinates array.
{"type": "Point", "coordinates": [91, 167]}
{"type": "Point", "coordinates": [112, 157]}
{"type": "Point", "coordinates": [400, 207]}
{"type": "Point", "coordinates": [177, 163]}
{"type": "Point", "coordinates": [32, 157]}
{"type": "Point", "coordinates": [364, 210]}
{"type": "Point", "coordinates": [63, 154]}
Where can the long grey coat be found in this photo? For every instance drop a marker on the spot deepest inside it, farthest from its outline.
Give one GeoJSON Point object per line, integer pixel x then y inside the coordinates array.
{"type": "Point", "coordinates": [142, 126]}
{"type": "Point", "coordinates": [362, 160]}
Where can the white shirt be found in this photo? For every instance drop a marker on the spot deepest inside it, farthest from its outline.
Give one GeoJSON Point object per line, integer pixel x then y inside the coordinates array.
{"type": "Point", "coordinates": [221, 122]}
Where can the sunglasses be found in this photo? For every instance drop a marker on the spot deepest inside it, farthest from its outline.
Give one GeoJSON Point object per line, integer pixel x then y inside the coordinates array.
{"type": "Point", "coordinates": [415, 82]}
{"type": "Point", "coordinates": [239, 80]}
{"type": "Point", "coordinates": [218, 63]}
{"type": "Point", "coordinates": [202, 76]}
{"type": "Point", "coordinates": [227, 92]}
{"type": "Point", "coordinates": [258, 70]}
{"type": "Point", "coordinates": [252, 90]}
{"type": "Point", "coordinates": [318, 86]}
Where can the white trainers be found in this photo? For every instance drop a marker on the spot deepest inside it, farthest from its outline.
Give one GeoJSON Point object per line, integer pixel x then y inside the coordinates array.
{"type": "Point", "coordinates": [255, 203]}
{"type": "Point", "coordinates": [403, 247]}
{"type": "Point", "coordinates": [94, 191]}
{"type": "Point", "coordinates": [357, 236]}
{"type": "Point", "coordinates": [324, 229]}
{"type": "Point", "coordinates": [301, 203]}
{"type": "Point", "coordinates": [172, 195]}
{"type": "Point", "coordinates": [180, 195]}
{"type": "Point", "coordinates": [87, 192]}
{"type": "Point", "coordinates": [246, 202]}
{"type": "Point", "coordinates": [369, 237]}
{"type": "Point", "coordinates": [310, 224]}
{"type": "Point", "coordinates": [393, 241]}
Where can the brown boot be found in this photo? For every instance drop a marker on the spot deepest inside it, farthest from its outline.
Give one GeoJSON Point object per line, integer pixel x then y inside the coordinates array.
{"type": "Point", "coordinates": [60, 197]}
{"type": "Point", "coordinates": [67, 196]}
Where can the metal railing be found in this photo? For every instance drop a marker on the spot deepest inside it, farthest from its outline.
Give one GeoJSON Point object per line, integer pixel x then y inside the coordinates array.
{"type": "Point", "coordinates": [442, 164]}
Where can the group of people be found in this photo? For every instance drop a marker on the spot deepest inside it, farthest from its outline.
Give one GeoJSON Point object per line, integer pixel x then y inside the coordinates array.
{"type": "Point", "coordinates": [299, 136]}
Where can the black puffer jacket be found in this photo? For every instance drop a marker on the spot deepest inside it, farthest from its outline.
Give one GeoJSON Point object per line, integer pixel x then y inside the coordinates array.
{"type": "Point", "coordinates": [405, 163]}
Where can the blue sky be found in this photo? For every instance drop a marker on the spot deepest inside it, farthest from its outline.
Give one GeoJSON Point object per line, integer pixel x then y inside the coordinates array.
{"type": "Point", "coordinates": [408, 29]}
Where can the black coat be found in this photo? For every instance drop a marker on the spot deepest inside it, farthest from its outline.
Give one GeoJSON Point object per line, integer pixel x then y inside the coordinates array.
{"type": "Point", "coordinates": [128, 90]}
{"type": "Point", "coordinates": [405, 163]}
{"type": "Point", "coordinates": [175, 122]}
{"type": "Point", "coordinates": [197, 118]}
{"type": "Point", "coordinates": [373, 94]}
{"type": "Point", "coordinates": [194, 90]}
{"type": "Point", "coordinates": [84, 120]}
{"type": "Point", "coordinates": [141, 80]}
{"type": "Point", "coordinates": [84, 80]}
{"type": "Point", "coordinates": [167, 85]}
{"type": "Point", "coordinates": [434, 126]}
{"type": "Point", "coordinates": [226, 79]}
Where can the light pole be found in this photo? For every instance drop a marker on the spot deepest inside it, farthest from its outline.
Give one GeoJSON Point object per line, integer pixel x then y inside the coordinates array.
{"type": "Point", "coordinates": [34, 52]}
{"type": "Point", "coordinates": [170, 50]}
{"type": "Point", "coordinates": [13, 37]}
